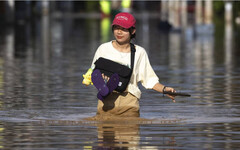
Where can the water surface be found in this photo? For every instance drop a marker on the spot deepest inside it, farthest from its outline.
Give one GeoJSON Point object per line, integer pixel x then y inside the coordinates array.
{"type": "Point", "coordinates": [43, 103]}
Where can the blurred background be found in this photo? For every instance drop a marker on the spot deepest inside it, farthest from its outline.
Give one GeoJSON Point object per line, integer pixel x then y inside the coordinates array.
{"type": "Point", "coordinates": [46, 46]}
{"type": "Point", "coordinates": [63, 36]}
{"type": "Point", "coordinates": [51, 21]}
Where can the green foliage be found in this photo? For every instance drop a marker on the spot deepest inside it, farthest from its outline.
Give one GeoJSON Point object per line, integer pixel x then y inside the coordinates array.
{"type": "Point", "coordinates": [218, 7]}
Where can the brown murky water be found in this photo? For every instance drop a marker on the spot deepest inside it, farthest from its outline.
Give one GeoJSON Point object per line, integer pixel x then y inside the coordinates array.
{"type": "Point", "coordinates": [43, 103]}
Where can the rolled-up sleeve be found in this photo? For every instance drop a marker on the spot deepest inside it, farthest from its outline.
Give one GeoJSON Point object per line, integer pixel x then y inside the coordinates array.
{"type": "Point", "coordinates": [147, 76]}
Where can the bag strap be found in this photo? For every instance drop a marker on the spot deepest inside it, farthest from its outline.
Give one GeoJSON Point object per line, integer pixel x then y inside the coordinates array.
{"type": "Point", "coordinates": [133, 50]}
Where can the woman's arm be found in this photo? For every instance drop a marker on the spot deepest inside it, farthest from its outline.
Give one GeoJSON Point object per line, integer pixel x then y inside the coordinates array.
{"type": "Point", "coordinates": [159, 88]}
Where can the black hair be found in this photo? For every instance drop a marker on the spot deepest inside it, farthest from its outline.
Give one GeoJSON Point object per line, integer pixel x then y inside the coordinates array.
{"type": "Point", "coordinates": [132, 36]}
{"type": "Point", "coordinates": [131, 31]}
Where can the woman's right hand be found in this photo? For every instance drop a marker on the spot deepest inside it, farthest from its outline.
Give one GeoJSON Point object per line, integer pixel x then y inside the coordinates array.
{"type": "Point", "coordinates": [105, 78]}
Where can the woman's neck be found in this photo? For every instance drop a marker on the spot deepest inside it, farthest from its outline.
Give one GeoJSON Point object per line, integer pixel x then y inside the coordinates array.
{"type": "Point", "coordinates": [122, 47]}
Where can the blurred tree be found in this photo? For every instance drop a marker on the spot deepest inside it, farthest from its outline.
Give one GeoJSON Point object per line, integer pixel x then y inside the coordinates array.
{"type": "Point", "coordinates": [92, 6]}
{"type": "Point", "coordinates": [105, 7]}
{"type": "Point", "coordinates": [236, 9]}
{"type": "Point", "coordinates": [218, 8]}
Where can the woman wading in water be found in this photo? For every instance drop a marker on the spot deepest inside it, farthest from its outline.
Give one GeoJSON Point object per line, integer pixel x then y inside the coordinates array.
{"type": "Point", "coordinates": [112, 103]}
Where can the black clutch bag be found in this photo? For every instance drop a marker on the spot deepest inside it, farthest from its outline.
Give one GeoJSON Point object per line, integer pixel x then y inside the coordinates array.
{"type": "Point", "coordinates": [109, 67]}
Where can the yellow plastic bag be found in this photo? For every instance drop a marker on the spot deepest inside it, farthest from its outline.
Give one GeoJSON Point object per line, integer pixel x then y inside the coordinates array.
{"type": "Point", "coordinates": [87, 77]}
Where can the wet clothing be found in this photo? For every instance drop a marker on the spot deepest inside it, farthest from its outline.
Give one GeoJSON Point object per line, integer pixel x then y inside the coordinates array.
{"type": "Point", "coordinates": [127, 103]}
{"type": "Point", "coordinates": [119, 104]}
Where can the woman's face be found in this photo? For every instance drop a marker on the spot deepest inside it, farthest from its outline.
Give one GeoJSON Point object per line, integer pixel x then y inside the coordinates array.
{"type": "Point", "coordinates": [121, 34]}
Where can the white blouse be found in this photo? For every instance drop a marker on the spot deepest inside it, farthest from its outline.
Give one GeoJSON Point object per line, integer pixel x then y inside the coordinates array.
{"type": "Point", "coordinates": [142, 71]}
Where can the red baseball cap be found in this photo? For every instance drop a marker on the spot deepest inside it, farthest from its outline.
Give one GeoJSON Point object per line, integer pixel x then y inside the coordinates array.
{"type": "Point", "coordinates": [125, 20]}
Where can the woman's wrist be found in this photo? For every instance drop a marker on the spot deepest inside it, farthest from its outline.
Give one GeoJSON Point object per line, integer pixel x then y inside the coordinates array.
{"type": "Point", "coordinates": [163, 90]}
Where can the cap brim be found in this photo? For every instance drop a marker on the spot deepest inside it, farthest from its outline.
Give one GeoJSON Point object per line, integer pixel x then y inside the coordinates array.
{"type": "Point", "coordinates": [121, 25]}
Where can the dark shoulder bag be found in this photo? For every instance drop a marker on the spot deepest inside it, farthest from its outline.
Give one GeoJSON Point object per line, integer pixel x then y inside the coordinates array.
{"type": "Point", "coordinates": [109, 67]}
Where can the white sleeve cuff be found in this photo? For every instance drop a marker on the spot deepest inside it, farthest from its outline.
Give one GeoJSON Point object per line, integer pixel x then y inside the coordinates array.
{"type": "Point", "coordinates": [151, 83]}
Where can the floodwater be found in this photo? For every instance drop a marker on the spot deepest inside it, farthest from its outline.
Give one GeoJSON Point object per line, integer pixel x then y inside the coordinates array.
{"type": "Point", "coordinates": [43, 103]}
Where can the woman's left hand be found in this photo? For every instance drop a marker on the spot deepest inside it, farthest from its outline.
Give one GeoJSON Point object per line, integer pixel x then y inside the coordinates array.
{"type": "Point", "coordinates": [170, 89]}
{"type": "Point", "coordinates": [161, 88]}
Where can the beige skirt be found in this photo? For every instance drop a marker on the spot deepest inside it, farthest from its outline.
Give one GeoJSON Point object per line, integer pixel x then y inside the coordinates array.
{"type": "Point", "coordinates": [119, 104]}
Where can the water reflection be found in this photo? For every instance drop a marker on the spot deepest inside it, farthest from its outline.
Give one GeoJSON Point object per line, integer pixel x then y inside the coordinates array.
{"type": "Point", "coordinates": [228, 38]}
{"type": "Point", "coordinates": [46, 38]}
{"type": "Point", "coordinates": [205, 65]}
{"type": "Point", "coordinates": [118, 136]}
{"type": "Point", "coordinates": [41, 67]}
{"type": "Point", "coordinates": [128, 136]}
